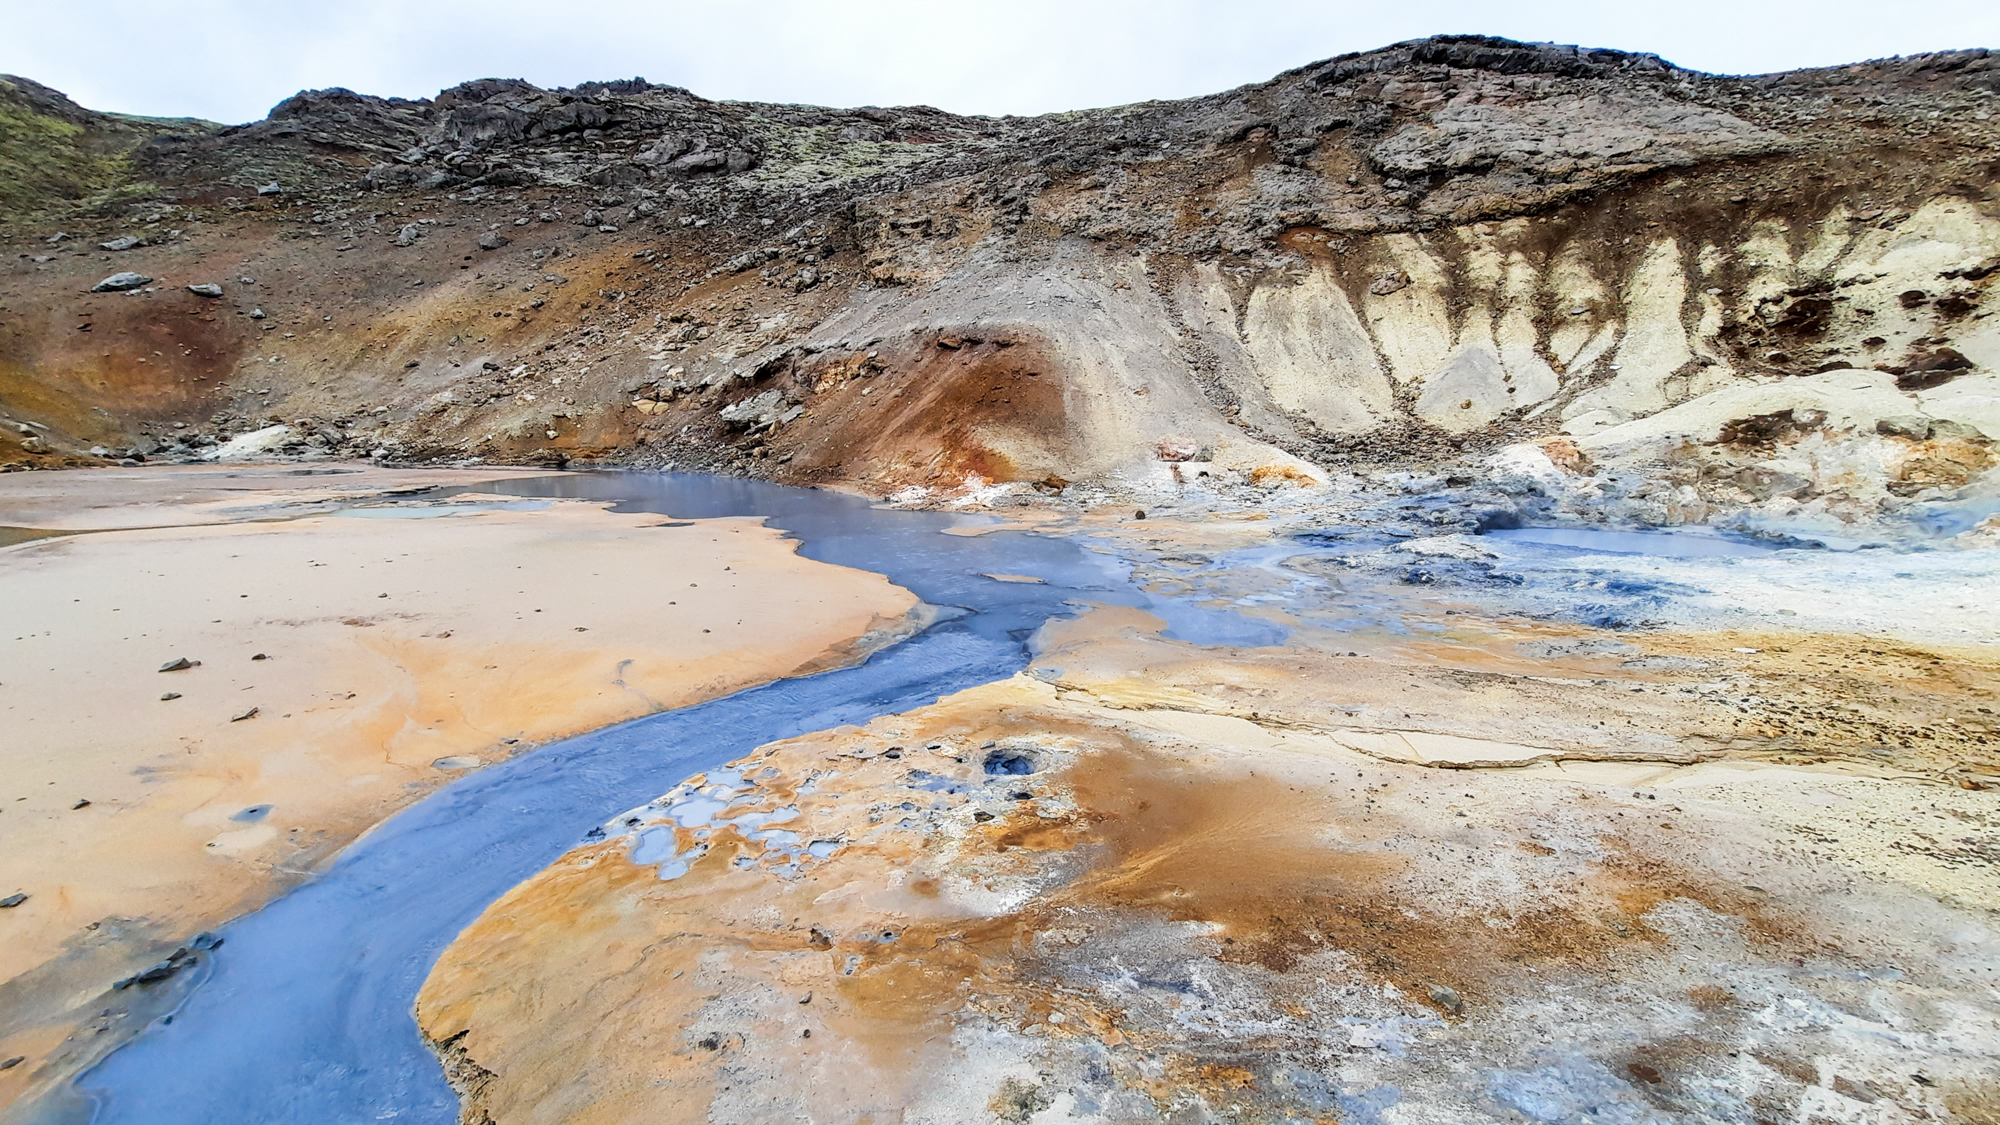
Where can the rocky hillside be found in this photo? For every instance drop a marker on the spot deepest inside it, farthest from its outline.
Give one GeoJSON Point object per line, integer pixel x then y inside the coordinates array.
{"type": "Point", "coordinates": [1762, 293]}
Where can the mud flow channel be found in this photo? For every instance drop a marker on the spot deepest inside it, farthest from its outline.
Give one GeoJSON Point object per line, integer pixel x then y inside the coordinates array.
{"type": "Point", "coordinates": [305, 1010]}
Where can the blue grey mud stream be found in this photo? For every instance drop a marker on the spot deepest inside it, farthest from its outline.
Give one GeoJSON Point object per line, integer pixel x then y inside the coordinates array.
{"type": "Point", "coordinates": [305, 1011]}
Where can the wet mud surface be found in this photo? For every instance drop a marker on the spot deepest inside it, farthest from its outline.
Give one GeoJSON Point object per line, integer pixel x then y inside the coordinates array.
{"type": "Point", "coordinates": [1280, 818]}
{"type": "Point", "coordinates": [306, 1012]}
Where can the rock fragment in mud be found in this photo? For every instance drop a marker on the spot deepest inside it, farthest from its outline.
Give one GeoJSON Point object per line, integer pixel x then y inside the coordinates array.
{"type": "Point", "coordinates": [1447, 998]}
{"type": "Point", "coordinates": [181, 958]}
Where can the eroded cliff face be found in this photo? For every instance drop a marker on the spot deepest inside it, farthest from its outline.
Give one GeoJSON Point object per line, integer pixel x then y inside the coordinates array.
{"type": "Point", "coordinates": [1414, 255]}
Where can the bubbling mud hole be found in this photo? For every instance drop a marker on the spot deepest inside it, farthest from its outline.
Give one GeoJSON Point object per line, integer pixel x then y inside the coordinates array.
{"type": "Point", "coordinates": [305, 1010]}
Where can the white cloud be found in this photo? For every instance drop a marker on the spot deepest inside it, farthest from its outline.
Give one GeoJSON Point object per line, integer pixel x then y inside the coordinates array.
{"type": "Point", "coordinates": [230, 60]}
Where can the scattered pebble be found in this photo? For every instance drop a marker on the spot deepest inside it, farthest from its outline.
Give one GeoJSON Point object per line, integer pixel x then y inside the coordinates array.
{"type": "Point", "coordinates": [1447, 998]}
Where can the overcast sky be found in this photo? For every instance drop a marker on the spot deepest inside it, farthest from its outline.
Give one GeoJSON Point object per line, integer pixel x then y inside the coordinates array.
{"type": "Point", "coordinates": [231, 60]}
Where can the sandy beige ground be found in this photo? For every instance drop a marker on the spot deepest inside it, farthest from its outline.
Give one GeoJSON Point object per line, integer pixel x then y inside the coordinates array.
{"type": "Point", "coordinates": [127, 497]}
{"type": "Point", "coordinates": [376, 658]}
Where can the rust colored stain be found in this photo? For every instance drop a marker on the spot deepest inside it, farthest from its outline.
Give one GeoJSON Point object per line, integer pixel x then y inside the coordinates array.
{"type": "Point", "coordinates": [936, 410]}
{"type": "Point", "coordinates": [163, 357]}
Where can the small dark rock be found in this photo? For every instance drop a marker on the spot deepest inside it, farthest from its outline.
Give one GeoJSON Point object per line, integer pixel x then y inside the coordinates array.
{"type": "Point", "coordinates": [82, 803]}
{"type": "Point", "coordinates": [179, 959]}
{"type": "Point", "coordinates": [1389, 283]}
{"type": "Point", "coordinates": [1929, 369]}
{"type": "Point", "coordinates": [1447, 998]}
{"type": "Point", "coordinates": [13, 900]}
{"type": "Point", "coordinates": [1913, 426]}
{"type": "Point", "coordinates": [179, 664]}
{"type": "Point", "coordinates": [250, 714]}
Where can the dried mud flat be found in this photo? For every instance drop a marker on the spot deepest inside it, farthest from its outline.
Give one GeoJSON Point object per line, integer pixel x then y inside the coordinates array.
{"type": "Point", "coordinates": [1482, 875]}
{"type": "Point", "coordinates": [353, 644]}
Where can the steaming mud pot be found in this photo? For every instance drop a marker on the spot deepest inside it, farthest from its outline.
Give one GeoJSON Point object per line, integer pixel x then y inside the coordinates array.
{"type": "Point", "coordinates": [200, 714]}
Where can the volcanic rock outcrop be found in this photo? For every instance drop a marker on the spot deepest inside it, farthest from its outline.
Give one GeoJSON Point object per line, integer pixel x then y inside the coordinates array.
{"type": "Point", "coordinates": [1751, 291]}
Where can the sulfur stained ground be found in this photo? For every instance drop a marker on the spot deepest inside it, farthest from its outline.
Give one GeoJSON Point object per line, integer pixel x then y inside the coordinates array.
{"type": "Point", "coordinates": [1210, 900]}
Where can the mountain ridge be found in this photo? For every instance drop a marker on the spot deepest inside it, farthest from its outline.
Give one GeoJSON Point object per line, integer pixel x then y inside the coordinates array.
{"type": "Point", "coordinates": [1408, 256]}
